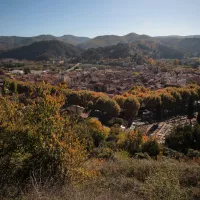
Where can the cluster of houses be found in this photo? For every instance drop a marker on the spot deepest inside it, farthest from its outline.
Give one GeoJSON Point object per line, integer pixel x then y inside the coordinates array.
{"type": "Point", "coordinates": [111, 80]}
{"type": "Point", "coordinates": [117, 80]}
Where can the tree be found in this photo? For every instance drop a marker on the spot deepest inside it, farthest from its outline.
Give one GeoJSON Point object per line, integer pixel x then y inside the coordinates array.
{"type": "Point", "coordinates": [120, 100]}
{"type": "Point", "coordinates": [108, 106]}
{"type": "Point", "coordinates": [198, 118]}
{"type": "Point", "coordinates": [183, 138]}
{"type": "Point", "coordinates": [97, 131]}
{"type": "Point", "coordinates": [27, 70]}
{"type": "Point", "coordinates": [131, 107]}
{"type": "Point", "coordinates": [2, 72]}
{"type": "Point", "coordinates": [190, 114]}
{"type": "Point", "coordinates": [154, 102]}
{"type": "Point", "coordinates": [167, 101]}
{"type": "Point", "coordinates": [151, 61]}
{"type": "Point", "coordinates": [130, 141]}
{"type": "Point", "coordinates": [176, 62]}
{"type": "Point", "coordinates": [37, 138]}
{"type": "Point", "coordinates": [13, 87]}
{"type": "Point", "coordinates": [73, 98]}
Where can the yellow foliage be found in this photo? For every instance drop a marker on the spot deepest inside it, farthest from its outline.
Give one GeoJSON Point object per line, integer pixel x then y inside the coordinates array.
{"type": "Point", "coordinates": [151, 61]}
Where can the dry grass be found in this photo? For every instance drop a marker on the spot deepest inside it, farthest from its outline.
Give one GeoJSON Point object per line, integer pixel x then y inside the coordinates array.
{"type": "Point", "coordinates": [124, 178]}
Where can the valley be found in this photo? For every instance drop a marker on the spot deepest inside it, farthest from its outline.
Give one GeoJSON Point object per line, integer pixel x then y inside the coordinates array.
{"type": "Point", "coordinates": [99, 100]}
{"type": "Point", "coordinates": [84, 112]}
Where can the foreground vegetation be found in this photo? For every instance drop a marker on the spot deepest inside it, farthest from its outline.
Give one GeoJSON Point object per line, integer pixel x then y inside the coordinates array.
{"type": "Point", "coordinates": [48, 154]}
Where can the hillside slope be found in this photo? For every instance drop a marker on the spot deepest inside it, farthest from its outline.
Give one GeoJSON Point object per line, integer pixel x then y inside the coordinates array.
{"type": "Point", "coordinates": [123, 50]}
{"type": "Point", "coordinates": [188, 44]}
{"type": "Point", "coordinates": [102, 41]}
{"type": "Point", "coordinates": [71, 39]}
{"type": "Point", "coordinates": [44, 50]}
{"type": "Point", "coordinates": [11, 42]}
{"type": "Point", "coordinates": [191, 45]}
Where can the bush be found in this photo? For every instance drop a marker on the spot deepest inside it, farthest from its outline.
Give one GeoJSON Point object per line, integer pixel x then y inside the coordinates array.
{"type": "Point", "coordinates": [151, 147]}
{"type": "Point", "coordinates": [27, 70]}
{"type": "Point", "coordinates": [130, 141]}
{"type": "Point", "coordinates": [183, 138]}
{"type": "Point", "coordinates": [103, 153]}
{"type": "Point", "coordinates": [116, 120]}
{"type": "Point", "coordinates": [97, 131]}
{"type": "Point", "coordinates": [37, 139]}
{"type": "Point", "coordinates": [163, 185]}
{"type": "Point", "coordinates": [193, 153]}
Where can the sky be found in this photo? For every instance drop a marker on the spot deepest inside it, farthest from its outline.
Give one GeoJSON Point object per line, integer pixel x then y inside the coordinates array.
{"type": "Point", "coordinates": [99, 17]}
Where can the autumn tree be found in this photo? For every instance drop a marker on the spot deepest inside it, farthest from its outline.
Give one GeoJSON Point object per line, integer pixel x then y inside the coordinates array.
{"type": "Point", "coordinates": [37, 138]}
{"type": "Point", "coordinates": [108, 106]}
{"type": "Point", "coordinates": [153, 102]}
{"type": "Point", "coordinates": [176, 62]}
{"type": "Point", "coordinates": [120, 100]}
{"type": "Point", "coordinates": [130, 141]}
{"type": "Point", "coordinates": [131, 107]}
{"type": "Point", "coordinates": [151, 61]}
{"type": "Point", "coordinates": [97, 131]}
{"type": "Point", "coordinates": [168, 102]}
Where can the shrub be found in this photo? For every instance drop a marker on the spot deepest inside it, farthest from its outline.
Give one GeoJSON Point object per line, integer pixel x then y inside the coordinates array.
{"type": "Point", "coordinates": [97, 131]}
{"type": "Point", "coordinates": [163, 185]}
{"type": "Point", "coordinates": [183, 138]}
{"type": "Point", "coordinates": [37, 139]}
{"type": "Point", "coordinates": [193, 153]}
{"type": "Point", "coordinates": [27, 70]}
{"type": "Point", "coordinates": [103, 153]}
{"type": "Point", "coordinates": [151, 147]}
{"type": "Point", "coordinates": [130, 141]}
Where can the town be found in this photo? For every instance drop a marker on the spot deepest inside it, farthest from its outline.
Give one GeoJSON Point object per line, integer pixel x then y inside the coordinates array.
{"type": "Point", "coordinates": [114, 79]}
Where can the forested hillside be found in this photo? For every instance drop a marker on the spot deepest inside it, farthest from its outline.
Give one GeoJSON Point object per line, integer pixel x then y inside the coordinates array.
{"type": "Point", "coordinates": [44, 50]}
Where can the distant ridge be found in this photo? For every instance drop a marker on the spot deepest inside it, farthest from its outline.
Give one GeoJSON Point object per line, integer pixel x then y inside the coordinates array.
{"type": "Point", "coordinates": [10, 42]}
{"type": "Point", "coordinates": [45, 47]}
{"type": "Point", "coordinates": [43, 50]}
{"type": "Point", "coordinates": [146, 49]}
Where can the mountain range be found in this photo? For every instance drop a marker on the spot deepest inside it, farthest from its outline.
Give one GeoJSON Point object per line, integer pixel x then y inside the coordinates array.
{"type": "Point", "coordinates": [11, 42]}
{"type": "Point", "coordinates": [43, 50]}
{"type": "Point", "coordinates": [48, 46]}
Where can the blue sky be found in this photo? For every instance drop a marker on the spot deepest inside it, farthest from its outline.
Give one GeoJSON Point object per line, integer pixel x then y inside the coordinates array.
{"type": "Point", "coordinates": [99, 17]}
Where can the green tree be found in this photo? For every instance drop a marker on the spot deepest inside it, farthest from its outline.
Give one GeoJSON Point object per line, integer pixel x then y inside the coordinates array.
{"type": "Point", "coordinates": [183, 138]}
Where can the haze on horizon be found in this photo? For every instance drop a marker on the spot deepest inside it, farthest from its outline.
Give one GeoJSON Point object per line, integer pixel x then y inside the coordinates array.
{"type": "Point", "coordinates": [92, 18]}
